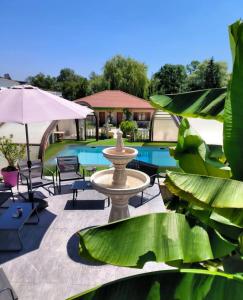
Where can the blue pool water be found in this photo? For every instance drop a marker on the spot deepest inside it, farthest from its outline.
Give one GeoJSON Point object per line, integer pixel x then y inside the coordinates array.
{"type": "Point", "coordinates": [93, 155]}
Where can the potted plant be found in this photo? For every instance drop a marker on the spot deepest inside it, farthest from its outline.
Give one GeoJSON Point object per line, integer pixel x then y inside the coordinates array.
{"type": "Point", "coordinates": [12, 152]}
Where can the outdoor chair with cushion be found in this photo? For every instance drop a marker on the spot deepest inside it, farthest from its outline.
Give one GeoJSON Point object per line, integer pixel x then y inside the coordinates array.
{"type": "Point", "coordinates": [68, 168]}
{"type": "Point", "coordinates": [150, 169]}
{"type": "Point", "coordinates": [37, 176]}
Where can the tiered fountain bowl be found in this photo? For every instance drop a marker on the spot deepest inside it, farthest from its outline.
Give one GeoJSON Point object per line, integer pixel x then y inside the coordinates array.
{"type": "Point", "coordinates": [119, 183]}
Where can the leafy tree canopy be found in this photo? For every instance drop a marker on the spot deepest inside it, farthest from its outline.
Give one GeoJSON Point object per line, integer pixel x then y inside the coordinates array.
{"type": "Point", "coordinates": [129, 75]}
{"type": "Point", "coordinates": [42, 81]}
{"type": "Point", "coordinates": [126, 74]}
{"type": "Point", "coordinates": [207, 74]}
{"type": "Point", "coordinates": [170, 79]}
{"type": "Point", "coordinates": [97, 83]}
{"type": "Point", "coordinates": [72, 85]}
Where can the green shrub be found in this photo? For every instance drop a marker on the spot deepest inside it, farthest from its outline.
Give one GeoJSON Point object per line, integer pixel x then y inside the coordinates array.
{"type": "Point", "coordinates": [12, 152]}
{"type": "Point", "coordinates": [128, 128]}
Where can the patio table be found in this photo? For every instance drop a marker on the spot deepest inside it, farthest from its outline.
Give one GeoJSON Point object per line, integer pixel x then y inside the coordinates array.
{"type": "Point", "coordinates": [82, 185]}
{"type": "Point", "coordinates": [9, 223]}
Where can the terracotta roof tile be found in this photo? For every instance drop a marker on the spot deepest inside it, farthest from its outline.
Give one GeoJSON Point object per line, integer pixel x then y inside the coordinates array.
{"type": "Point", "coordinates": [115, 99]}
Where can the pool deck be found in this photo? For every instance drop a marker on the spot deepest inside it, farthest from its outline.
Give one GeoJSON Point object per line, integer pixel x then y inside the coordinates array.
{"type": "Point", "coordinates": [49, 267]}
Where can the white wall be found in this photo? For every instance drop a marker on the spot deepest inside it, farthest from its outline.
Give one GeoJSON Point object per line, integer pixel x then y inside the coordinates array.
{"type": "Point", "coordinates": [36, 131]}
{"type": "Point", "coordinates": [164, 128]}
{"type": "Point", "coordinates": [210, 130]}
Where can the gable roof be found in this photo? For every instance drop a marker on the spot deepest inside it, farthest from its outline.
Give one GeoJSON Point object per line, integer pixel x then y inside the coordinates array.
{"type": "Point", "coordinates": [5, 82]}
{"type": "Point", "coordinates": [114, 99]}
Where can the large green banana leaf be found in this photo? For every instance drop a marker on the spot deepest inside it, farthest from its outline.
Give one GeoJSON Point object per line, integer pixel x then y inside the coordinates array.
{"type": "Point", "coordinates": [216, 151]}
{"type": "Point", "coordinates": [207, 104]}
{"type": "Point", "coordinates": [217, 222]}
{"type": "Point", "coordinates": [184, 284]}
{"type": "Point", "coordinates": [193, 154]}
{"type": "Point", "coordinates": [208, 190]}
{"type": "Point", "coordinates": [161, 237]}
{"type": "Point", "coordinates": [233, 113]}
{"type": "Point", "coordinates": [223, 195]}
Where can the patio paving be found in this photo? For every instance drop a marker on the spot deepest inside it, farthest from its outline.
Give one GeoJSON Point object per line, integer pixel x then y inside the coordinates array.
{"type": "Point", "coordinates": [49, 266]}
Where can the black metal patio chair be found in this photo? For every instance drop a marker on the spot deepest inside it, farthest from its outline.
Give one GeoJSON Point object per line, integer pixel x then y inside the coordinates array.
{"type": "Point", "coordinates": [38, 177]}
{"type": "Point", "coordinates": [150, 169]}
{"type": "Point", "coordinates": [6, 192]}
{"type": "Point", "coordinates": [68, 168]}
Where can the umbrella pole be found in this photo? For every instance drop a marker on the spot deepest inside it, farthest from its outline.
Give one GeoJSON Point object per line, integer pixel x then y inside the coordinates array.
{"type": "Point", "coordinates": [31, 194]}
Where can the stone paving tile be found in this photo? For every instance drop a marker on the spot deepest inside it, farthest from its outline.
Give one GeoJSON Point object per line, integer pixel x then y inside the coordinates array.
{"type": "Point", "coordinates": [49, 266]}
{"type": "Point", "coordinates": [24, 269]}
{"type": "Point", "coordinates": [45, 291]}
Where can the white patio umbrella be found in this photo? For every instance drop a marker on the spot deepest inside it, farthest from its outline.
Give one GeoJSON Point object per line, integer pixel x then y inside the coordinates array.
{"type": "Point", "coordinates": [26, 104]}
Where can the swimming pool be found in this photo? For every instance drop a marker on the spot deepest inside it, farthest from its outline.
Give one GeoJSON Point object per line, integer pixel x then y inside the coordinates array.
{"type": "Point", "coordinates": [93, 155]}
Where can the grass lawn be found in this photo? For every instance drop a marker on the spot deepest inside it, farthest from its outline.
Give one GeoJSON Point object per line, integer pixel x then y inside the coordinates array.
{"type": "Point", "coordinates": [53, 149]}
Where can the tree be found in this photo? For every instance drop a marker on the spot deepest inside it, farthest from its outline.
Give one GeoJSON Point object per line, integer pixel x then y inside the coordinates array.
{"type": "Point", "coordinates": [67, 74]}
{"type": "Point", "coordinates": [72, 90]}
{"type": "Point", "coordinates": [199, 75]}
{"type": "Point", "coordinates": [211, 76]}
{"type": "Point", "coordinates": [43, 82]}
{"type": "Point", "coordinates": [169, 79]}
{"type": "Point", "coordinates": [126, 74]}
{"type": "Point", "coordinates": [72, 85]}
{"type": "Point", "coordinates": [224, 76]}
{"type": "Point", "coordinates": [192, 66]}
{"type": "Point", "coordinates": [97, 83]}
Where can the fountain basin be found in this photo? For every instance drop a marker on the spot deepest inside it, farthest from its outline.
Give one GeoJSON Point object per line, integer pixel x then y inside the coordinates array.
{"type": "Point", "coordinates": [136, 182]}
{"type": "Point", "coordinates": [103, 182]}
{"type": "Point", "coordinates": [120, 157]}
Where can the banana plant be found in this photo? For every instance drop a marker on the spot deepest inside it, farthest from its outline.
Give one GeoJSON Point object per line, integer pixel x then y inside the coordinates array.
{"type": "Point", "coordinates": [184, 284]}
{"type": "Point", "coordinates": [207, 104]}
{"type": "Point", "coordinates": [163, 237]}
{"type": "Point", "coordinates": [211, 227]}
{"type": "Point", "coordinates": [194, 155]}
{"type": "Point", "coordinates": [222, 196]}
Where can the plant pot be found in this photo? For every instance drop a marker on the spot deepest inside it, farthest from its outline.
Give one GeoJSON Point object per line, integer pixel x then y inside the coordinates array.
{"type": "Point", "coordinates": [10, 177]}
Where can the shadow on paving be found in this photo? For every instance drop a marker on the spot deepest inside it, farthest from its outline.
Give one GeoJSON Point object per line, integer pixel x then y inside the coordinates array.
{"type": "Point", "coordinates": [31, 236]}
{"type": "Point", "coordinates": [85, 205]}
{"type": "Point", "coordinates": [73, 251]}
{"type": "Point", "coordinates": [66, 189]}
{"type": "Point", "coordinates": [135, 201]}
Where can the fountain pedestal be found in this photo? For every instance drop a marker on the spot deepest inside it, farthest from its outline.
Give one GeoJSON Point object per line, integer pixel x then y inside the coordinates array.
{"type": "Point", "coordinates": [119, 183]}
{"type": "Point", "coordinates": [119, 208]}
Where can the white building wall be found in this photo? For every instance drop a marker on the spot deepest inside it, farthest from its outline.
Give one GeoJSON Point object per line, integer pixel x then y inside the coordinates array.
{"type": "Point", "coordinates": [210, 130]}
{"type": "Point", "coordinates": [164, 128]}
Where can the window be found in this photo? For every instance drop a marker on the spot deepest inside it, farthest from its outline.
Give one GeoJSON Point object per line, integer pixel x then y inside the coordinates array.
{"type": "Point", "coordinates": [135, 116]}
{"type": "Point", "coordinates": [147, 116]}
{"type": "Point", "coordinates": [143, 116]}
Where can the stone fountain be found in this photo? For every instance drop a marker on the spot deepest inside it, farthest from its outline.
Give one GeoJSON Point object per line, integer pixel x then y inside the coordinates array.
{"type": "Point", "coordinates": [119, 183]}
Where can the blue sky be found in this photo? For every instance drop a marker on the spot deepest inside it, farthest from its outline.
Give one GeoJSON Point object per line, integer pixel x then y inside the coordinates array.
{"type": "Point", "coordinates": [47, 35]}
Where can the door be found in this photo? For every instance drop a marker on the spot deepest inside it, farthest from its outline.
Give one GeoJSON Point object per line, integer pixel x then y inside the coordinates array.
{"type": "Point", "coordinates": [101, 118]}
{"type": "Point", "coordinates": [119, 117]}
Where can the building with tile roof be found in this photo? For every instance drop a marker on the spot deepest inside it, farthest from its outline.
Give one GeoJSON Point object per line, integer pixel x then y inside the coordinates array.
{"type": "Point", "coordinates": [112, 106]}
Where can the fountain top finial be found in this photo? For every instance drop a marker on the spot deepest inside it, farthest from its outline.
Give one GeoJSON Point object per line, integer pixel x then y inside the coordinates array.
{"type": "Point", "coordinates": [119, 141]}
